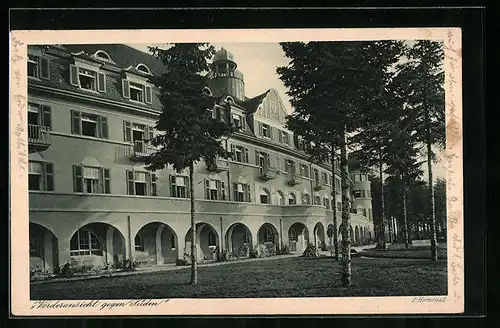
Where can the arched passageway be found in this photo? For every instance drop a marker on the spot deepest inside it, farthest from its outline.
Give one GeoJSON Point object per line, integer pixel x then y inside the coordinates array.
{"type": "Point", "coordinates": [298, 237]}
{"type": "Point", "coordinates": [319, 236]}
{"type": "Point", "coordinates": [207, 242]}
{"type": "Point", "coordinates": [156, 243]}
{"type": "Point", "coordinates": [43, 248]}
{"type": "Point", "coordinates": [239, 239]}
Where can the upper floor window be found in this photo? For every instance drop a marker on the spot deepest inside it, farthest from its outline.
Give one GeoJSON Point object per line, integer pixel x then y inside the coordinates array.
{"type": "Point", "coordinates": [91, 180]}
{"type": "Point", "coordinates": [136, 91]}
{"type": "Point", "coordinates": [316, 176]}
{"type": "Point", "coordinates": [265, 196]}
{"type": "Point", "coordinates": [215, 190]}
{"type": "Point", "coordinates": [324, 177]}
{"type": "Point", "coordinates": [281, 198]}
{"type": "Point", "coordinates": [265, 130]}
{"type": "Point", "coordinates": [138, 134]}
{"type": "Point", "coordinates": [179, 186]}
{"type": "Point", "coordinates": [284, 137]}
{"type": "Point", "coordinates": [292, 199]}
{"type": "Point", "coordinates": [239, 121]}
{"type": "Point", "coordinates": [326, 203]}
{"type": "Point", "coordinates": [87, 124]}
{"type": "Point", "coordinates": [263, 160]}
{"type": "Point", "coordinates": [242, 192]}
{"type": "Point", "coordinates": [87, 79]}
{"type": "Point", "coordinates": [39, 115]}
{"type": "Point", "coordinates": [304, 170]}
{"type": "Point", "coordinates": [290, 166]}
{"type": "Point", "coordinates": [143, 68]}
{"type": "Point", "coordinates": [40, 176]}
{"type": "Point", "coordinates": [239, 154]}
{"type": "Point", "coordinates": [317, 200]}
{"type": "Point", "coordinates": [359, 193]}
{"type": "Point", "coordinates": [337, 186]}
{"type": "Point", "coordinates": [103, 55]}
{"type": "Point", "coordinates": [141, 183]}
{"type": "Point", "coordinates": [306, 199]}
{"type": "Point", "coordinates": [359, 177]}
{"type": "Point", "coordinates": [38, 67]}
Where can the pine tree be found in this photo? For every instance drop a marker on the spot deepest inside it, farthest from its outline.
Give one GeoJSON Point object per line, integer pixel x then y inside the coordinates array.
{"type": "Point", "coordinates": [331, 84]}
{"type": "Point", "coordinates": [422, 86]}
{"type": "Point", "coordinates": [189, 133]}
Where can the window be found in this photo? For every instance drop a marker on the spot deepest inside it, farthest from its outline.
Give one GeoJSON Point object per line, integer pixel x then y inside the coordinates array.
{"type": "Point", "coordinates": [85, 242]}
{"type": "Point", "coordinates": [292, 199]}
{"type": "Point", "coordinates": [91, 180]}
{"type": "Point", "coordinates": [324, 177]}
{"type": "Point", "coordinates": [239, 121]}
{"type": "Point", "coordinates": [289, 166]}
{"type": "Point", "coordinates": [339, 206]}
{"type": "Point", "coordinates": [87, 124]}
{"type": "Point", "coordinates": [284, 137]}
{"type": "Point", "coordinates": [138, 134]}
{"type": "Point", "coordinates": [299, 143]}
{"type": "Point", "coordinates": [246, 237]}
{"type": "Point", "coordinates": [281, 198]}
{"type": "Point", "coordinates": [141, 183]}
{"type": "Point", "coordinates": [38, 67]}
{"type": "Point", "coordinates": [136, 91]}
{"type": "Point", "coordinates": [293, 235]}
{"type": "Point", "coordinates": [359, 178]}
{"type": "Point", "coordinates": [215, 190]}
{"type": "Point", "coordinates": [317, 200]}
{"type": "Point", "coordinates": [268, 235]}
{"type": "Point", "coordinates": [336, 164]}
{"type": "Point", "coordinates": [239, 154]}
{"type": "Point", "coordinates": [242, 192]}
{"type": "Point", "coordinates": [263, 160]}
{"type": "Point", "coordinates": [39, 118]}
{"type": "Point", "coordinates": [359, 193]}
{"type": "Point", "coordinates": [102, 55]}
{"type": "Point", "coordinates": [212, 240]}
{"type": "Point", "coordinates": [326, 203]}
{"type": "Point", "coordinates": [304, 170]}
{"type": "Point", "coordinates": [40, 176]}
{"type": "Point", "coordinates": [316, 176]}
{"type": "Point", "coordinates": [364, 212]}
{"type": "Point", "coordinates": [143, 68]}
{"type": "Point", "coordinates": [264, 196]}
{"type": "Point", "coordinates": [306, 199]}
{"type": "Point", "coordinates": [179, 186]}
{"type": "Point", "coordinates": [329, 232]}
{"type": "Point", "coordinates": [139, 242]}
{"type": "Point", "coordinates": [265, 130]}
{"type": "Point", "coordinates": [337, 186]}
{"type": "Point", "coordinates": [87, 79]}
{"type": "Point", "coordinates": [34, 250]}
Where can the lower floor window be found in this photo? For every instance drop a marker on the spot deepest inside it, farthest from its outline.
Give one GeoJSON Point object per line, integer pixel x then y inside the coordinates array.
{"type": "Point", "coordinates": [85, 242]}
{"type": "Point", "coordinates": [34, 247]}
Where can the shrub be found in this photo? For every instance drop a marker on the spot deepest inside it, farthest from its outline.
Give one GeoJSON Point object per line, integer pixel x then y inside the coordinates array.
{"type": "Point", "coordinates": [181, 262]}
{"type": "Point", "coordinates": [310, 251]}
{"type": "Point", "coordinates": [243, 251]}
{"type": "Point", "coordinates": [66, 271]}
{"type": "Point", "coordinates": [261, 250]}
{"type": "Point", "coordinates": [283, 250]}
{"type": "Point", "coordinates": [125, 265]}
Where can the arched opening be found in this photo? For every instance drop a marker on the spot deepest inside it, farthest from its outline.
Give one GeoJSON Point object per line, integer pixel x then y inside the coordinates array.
{"type": "Point", "coordinates": [156, 244]}
{"type": "Point", "coordinates": [265, 196]}
{"type": "Point", "coordinates": [306, 199]}
{"type": "Point", "coordinates": [103, 55]}
{"type": "Point", "coordinates": [298, 237]}
{"type": "Point", "coordinates": [43, 246]}
{"type": "Point", "coordinates": [268, 236]}
{"type": "Point", "coordinates": [356, 236]}
{"type": "Point", "coordinates": [281, 198]}
{"type": "Point", "coordinates": [207, 242]}
{"type": "Point", "coordinates": [97, 244]}
{"type": "Point", "coordinates": [292, 199]}
{"type": "Point", "coordinates": [239, 240]}
{"type": "Point", "coordinates": [319, 236]}
{"type": "Point", "coordinates": [317, 200]}
{"type": "Point", "coordinates": [143, 68]}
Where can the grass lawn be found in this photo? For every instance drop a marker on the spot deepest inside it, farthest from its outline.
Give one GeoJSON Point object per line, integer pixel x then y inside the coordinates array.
{"type": "Point", "coordinates": [400, 251]}
{"type": "Point", "coordinates": [288, 277]}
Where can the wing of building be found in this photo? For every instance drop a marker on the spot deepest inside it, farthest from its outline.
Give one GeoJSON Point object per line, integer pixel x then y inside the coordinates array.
{"type": "Point", "coordinates": [91, 111]}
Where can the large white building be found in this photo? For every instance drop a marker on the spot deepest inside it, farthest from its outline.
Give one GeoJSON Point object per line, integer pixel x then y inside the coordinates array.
{"type": "Point", "coordinates": [91, 201]}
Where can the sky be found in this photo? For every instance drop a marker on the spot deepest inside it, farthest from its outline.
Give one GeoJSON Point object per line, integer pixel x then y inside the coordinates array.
{"type": "Point", "coordinates": [258, 63]}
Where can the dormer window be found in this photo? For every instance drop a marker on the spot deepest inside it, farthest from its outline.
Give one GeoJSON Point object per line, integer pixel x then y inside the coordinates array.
{"type": "Point", "coordinates": [136, 91]}
{"type": "Point", "coordinates": [239, 121]}
{"type": "Point", "coordinates": [38, 67]}
{"type": "Point", "coordinates": [87, 79]}
{"type": "Point", "coordinates": [143, 68]}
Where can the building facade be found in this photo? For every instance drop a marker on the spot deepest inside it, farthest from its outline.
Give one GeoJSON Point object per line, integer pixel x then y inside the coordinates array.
{"type": "Point", "coordinates": [91, 200]}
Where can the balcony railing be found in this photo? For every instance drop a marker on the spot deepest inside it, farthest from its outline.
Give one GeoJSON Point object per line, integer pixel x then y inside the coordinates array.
{"type": "Point", "coordinates": [293, 179]}
{"type": "Point", "coordinates": [38, 136]}
{"type": "Point", "coordinates": [268, 173]}
{"type": "Point", "coordinates": [138, 150]}
{"type": "Point", "coordinates": [219, 165]}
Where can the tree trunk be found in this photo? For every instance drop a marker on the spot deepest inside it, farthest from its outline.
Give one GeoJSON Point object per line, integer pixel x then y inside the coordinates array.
{"type": "Point", "coordinates": [405, 219]}
{"type": "Point", "coordinates": [432, 208]}
{"type": "Point", "coordinates": [346, 216]}
{"type": "Point", "coordinates": [194, 270]}
{"type": "Point", "coordinates": [382, 199]}
{"type": "Point", "coordinates": [334, 209]}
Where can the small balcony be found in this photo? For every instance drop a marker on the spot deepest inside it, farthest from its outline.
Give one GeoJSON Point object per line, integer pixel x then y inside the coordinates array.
{"type": "Point", "coordinates": [218, 166]}
{"type": "Point", "coordinates": [139, 150]}
{"type": "Point", "coordinates": [38, 137]}
{"type": "Point", "coordinates": [268, 173]}
{"type": "Point", "coordinates": [293, 179]}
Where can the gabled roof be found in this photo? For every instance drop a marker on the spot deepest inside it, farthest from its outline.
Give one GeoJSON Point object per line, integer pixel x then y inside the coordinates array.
{"type": "Point", "coordinates": [252, 104]}
{"type": "Point", "coordinates": [123, 55]}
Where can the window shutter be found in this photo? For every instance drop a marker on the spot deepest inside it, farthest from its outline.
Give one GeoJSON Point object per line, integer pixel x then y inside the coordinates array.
{"type": "Point", "coordinates": [76, 122]}
{"type": "Point", "coordinates": [125, 89]}
{"type": "Point", "coordinates": [188, 184]}
{"type": "Point", "coordinates": [77, 178]}
{"type": "Point", "coordinates": [150, 130]}
{"type": "Point", "coordinates": [287, 138]}
{"type": "Point", "coordinates": [268, 160]}
{"type": "Point", "coordinates": [127, 131]}
{"type": "Point", "coordinates": [107, 181]}
{"type": "Point", "coordinates": [148, 95]}
{"type": "Point", "coordinates": [244, 122]}
{"type": "Point", "coordinates": [49, 176]}
{"type": "Point", "coordinates": [260, 128]}
{"type": "Point", "coordinates": [104, 127]}
{"type": "Point", "coordinates": [44, 68]}
{"type": "Point", "coordinates": [46, 117]}
{"type": "Point", "coordinates": [233, 152]}
{"type": "Point", "coordinates": [207, 189]}
{"type": "Point", "coordinates": [278, 163]}
{"type": "Point", "coordinates": [172, 185]}
{"type": "Point", "coordinates": [73, 75]}
{"type": "Point", "coordinates": [223, 190]}
{"type": "Point", "coordinates": [256, 157]}
{"type": "Point", "coordinates": [153, 185]}
{"type": "Point", "coordinates": [247, 193]}
{"type": "Point", "coordinates": [130, 182]}
{"type": "Point", "coordinates": [101, 82]}
{"type": "Point", "coordinates": [270, 129]}
{"type": "Point", "coordinates": [235, 191]}
{"type": "Point", "coordinates": [280, 136]}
